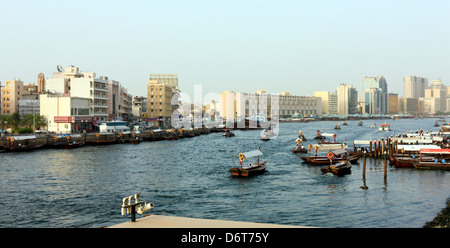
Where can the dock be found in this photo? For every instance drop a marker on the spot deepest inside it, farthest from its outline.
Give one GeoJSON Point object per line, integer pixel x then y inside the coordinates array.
{"type": "Point", "coordinates": [162, 221]}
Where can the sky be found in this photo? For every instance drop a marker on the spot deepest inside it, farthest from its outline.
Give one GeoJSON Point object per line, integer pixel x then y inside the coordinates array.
{"type": "Point", "coordinates": [296, 46]}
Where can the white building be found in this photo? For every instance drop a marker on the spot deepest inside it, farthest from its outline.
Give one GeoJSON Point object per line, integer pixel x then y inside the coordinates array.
{"type": "Point", "coordinates": [66, 114]}
{"type": "Point", "coordinates": [72, 82]}
{"type": "Point", "coordinates": [347, 99]}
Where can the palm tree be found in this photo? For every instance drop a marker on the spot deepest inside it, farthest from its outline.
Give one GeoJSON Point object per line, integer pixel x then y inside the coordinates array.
{"type": "Point", "coordinates": [39, 121]}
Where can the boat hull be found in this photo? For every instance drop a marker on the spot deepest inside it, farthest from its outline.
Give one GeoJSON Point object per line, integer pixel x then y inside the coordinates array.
{"type": "Point", "coordinates": [242, 172]}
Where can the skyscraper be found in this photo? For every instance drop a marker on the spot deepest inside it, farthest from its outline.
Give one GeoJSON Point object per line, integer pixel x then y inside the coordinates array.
{"type": "Point", "coordinates": [414, 87]}
{"type": "Point", "coordinates": [347, 99]}
{"type": "Point", "coordinates": [377, 101]}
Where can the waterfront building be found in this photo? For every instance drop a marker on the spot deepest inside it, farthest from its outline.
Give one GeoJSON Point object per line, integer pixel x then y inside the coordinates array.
{"type": "Point", "coordinates": [414, 87]}
{"type": "Point", "coordinates": [393, 103]}
{"type": "Point", "coordinates": [371, 101]}
{"type": "Point", "coordinates": [438, 90]}
{"type": "Point", "coordinates": [72, 82]}
{"type": "Point", "coordinates": [159, 103]}
{"type": "Point", "coordinates": [329, 102]}
{"type": "Point", "coordinates": [125, 103]}
{"type": "Point", "coordinates": [11, 93]}
{"type": "Point", "coordinates": [139, 108]}
{"type": "Point", "coordinates": [260, 105]}
{"type": "Point", "coordinates": [375, 101]}
{"type": "Point", "coordinates": [347, 100]}
{"type": "Point", "coordinates": [66, 114]}
{"type": "Point", "coordinates": [113, 99]}
{"type": "Point", "coordinates": [407, 105]}
{"type": "Point", "coordinates": [429, 105]}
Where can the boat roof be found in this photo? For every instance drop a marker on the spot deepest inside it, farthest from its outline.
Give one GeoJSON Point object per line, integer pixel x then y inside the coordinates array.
{"type": "Point", "coordinates": [328, 147]}
{"type": "Point", "coordinates": [23, 137]}
{"type": "Point", "coordinates": [435, 151]}
{"type": "Point", "coordinates": [417, 147]}
{"type": "Point", "coordinates": [361, 142]}
{"type": "Point", "coordinates": [339, 151]}
{"type": "Point", "coordinates": [384, 124]}
{"type": "Point", "coordinates": [253, 153]}
{"type": "Point", "coordinates": [327, 134]}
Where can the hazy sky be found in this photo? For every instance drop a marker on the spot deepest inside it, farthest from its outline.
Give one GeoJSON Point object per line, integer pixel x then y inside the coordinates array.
{"type": "Point", "coordinates": [298, 46]}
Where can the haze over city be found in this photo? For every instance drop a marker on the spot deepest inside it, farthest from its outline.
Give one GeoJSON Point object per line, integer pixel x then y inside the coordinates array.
{"type": "Point", "coordinates": [298, 46]}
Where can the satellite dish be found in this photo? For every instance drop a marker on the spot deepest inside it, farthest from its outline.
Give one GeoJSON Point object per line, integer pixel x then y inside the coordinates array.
{"type": "Point", "coordinates": [59, 68]}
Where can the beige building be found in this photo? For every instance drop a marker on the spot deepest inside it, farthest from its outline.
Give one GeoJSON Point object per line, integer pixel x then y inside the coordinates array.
{"type": "Point", "coordinates": [347, 100]}
{"type": "Point", "coordinates": [329, 102]}
{"type": "Point", "coordinates": [393, 103]}
{"type": "Point", "coordinates": [408, 105]}
{"type": "Point", "coordinates": [11, 94]}
{"type": "Point", "coordinates": [438, 90]}
{"type": "Point", "coordinates": [429, 105]}
{"type": "Point", "coordinates": [159, 103]}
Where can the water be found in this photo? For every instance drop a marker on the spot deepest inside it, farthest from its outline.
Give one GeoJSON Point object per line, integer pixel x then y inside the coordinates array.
{"type": "Point", "coordinates": [84, 187]}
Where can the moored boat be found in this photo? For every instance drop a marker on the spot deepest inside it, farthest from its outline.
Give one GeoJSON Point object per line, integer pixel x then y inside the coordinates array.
{"type": "Point", "coordinates": [439, 162]}
{"type": "Point", "coordinates": [384, 127]}
{"type": "Point", "coordinates": [21, 143]}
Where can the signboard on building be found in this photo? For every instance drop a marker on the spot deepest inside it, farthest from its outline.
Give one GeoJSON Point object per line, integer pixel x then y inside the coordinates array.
{"type": "Point", "coordinates": [62, 119]}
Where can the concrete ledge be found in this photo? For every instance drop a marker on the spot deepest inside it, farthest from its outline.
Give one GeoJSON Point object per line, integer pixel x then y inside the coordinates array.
{"type": "Point", "coordinates": [161, 221]}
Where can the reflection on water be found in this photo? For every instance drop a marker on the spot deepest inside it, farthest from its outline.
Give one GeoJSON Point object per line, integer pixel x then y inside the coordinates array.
{"type": "Point", "coordinates": [83, 187]}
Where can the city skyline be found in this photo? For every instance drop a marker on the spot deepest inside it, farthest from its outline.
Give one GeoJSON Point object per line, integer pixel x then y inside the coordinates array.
{"type": "Point", "coordinates": [242, 46]}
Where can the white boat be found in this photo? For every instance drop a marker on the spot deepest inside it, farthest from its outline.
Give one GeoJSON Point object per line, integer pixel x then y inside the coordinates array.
{"type": "Point", "coordinates": [384, 127]}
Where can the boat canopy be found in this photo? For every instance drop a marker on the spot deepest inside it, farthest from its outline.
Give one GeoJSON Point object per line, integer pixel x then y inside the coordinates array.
{"type": "Point", "coordinates": [361, 142]}
{"type": "Point", "coordinates": [328, 147]}
{"type": "Point", "coordinates": [340, 151]}
{"type": "Point", "coordinates": [417, 147]}
{"type": "Point", "coordinates": [253, 153]}
{"type": "Point", "coordinates": [384, 125]}
{"type": "Point", "coordinates": [23, 137]}
{"type": "Point", "coordinates": [411, 141]}
{"type": "Point", "coordinates": [435, 151]}
{"type": "Point", "coordinates": [327, 134]}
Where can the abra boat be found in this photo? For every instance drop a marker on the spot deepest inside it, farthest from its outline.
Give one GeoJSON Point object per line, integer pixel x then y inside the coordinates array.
{"type": "Point", "coordinates": [21, 143]}
{"type": "Point", "coordinates": [251, 169]}
{"type": "Point", "coordinates": [267, 135]}
{"type": "Point", "coordinates": [384, 127]}
{"type": "Point", "coordinates": [299, 148]}
{"type": "Point", "coordinates": [438, 164]}
{"type": "Point", "coordinates": [360, 123]}
{"type": "Point", "coordinates": [228, 133]}
{"type": "Point", "coordinates": [68, 141]}
{"type": "Point", "coordinates": [341, 168]}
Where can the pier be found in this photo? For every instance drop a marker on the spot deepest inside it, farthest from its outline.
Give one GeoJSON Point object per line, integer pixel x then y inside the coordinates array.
{"type": "Point", "coordinates": [162, 221]}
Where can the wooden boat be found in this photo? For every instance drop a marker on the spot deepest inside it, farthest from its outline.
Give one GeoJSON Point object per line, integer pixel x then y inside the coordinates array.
{"type": "Point", "coordinates": [299, 149]}
{"type": "Point", "coordinates": [438, 164]}
{"type": "Point", "coordinates": [360, 123]}
{"type": "Point", "coordinates": [384, 127]}
{"type": "Point", "coordinates": [251, 169]}
{"type": "Point", "coordinates": [337, 126]}
{"type": "Point", "coordinates": [319, 136]}
{"type": "Point", "coordinates": [345, 123]}
{"type": "Point", "coordinates": [341, 168]}
{"type": "Point", "coordinates": [228, 133]}
{"type": "Point", "coordinates": [406, 154]}
{"type": "Point", "coordinates": [323, 160]}
{"type": "Point", "coordinates": [267, 135]}
{"type": "Point", "coordinates": [21, 144]}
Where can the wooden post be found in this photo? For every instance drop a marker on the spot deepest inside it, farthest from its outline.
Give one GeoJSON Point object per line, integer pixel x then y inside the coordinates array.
{"type": "Point", "coordinates": [385, 166]}
{"type": "Point", "coordinates": [364, 165]}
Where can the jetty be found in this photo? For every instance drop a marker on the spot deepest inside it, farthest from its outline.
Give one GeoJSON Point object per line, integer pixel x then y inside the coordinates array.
{"type": "Point", "coordinates": [163, 221]}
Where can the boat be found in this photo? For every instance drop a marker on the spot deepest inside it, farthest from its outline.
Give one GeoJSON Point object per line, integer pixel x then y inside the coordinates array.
{"type": "Point", "coordinates": [410, 154]}
{"type": "Point", "coordinates": [324, 135]}
{"type": "Point", "coordinates": [360, 123]}
{"type": "Point", "coordinates": [345, 123]}
{"type": "Point", "coordinates": [439, 162]}
{"type": "Point", "coordinates": [384, 127]}
{"type": "Point", "coordinates": [228, 133]}
{"type": "Point", "coordinates": [323, 160]}
{"type": "Point", "coordinates": [341, 168]}
{"type": "Point", "coordinates": [171, 135]}
{"type": "Point", "coordinates": [251, 169]}
{"type": "Point", "coordinates": [319, 136]}
{"type": "Point", "coordinates": [337, 126]}
{"type": "Point", "coordinates": [301, 136]}
{"type": "Point", "coordinates": [436, 124]}
{"type": "Point", "coordinates": [267, 134]}
{"type": "Point", "coordinates": [373, 125]}
{"type": "Point", "coordinates": [68, 141]}
{"type": "Point", "coordinates": [21, 143]}
{"type": "Point", "coordinates": [299, 148]}
{"type": "Point", "coordinates": [340, 153]}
